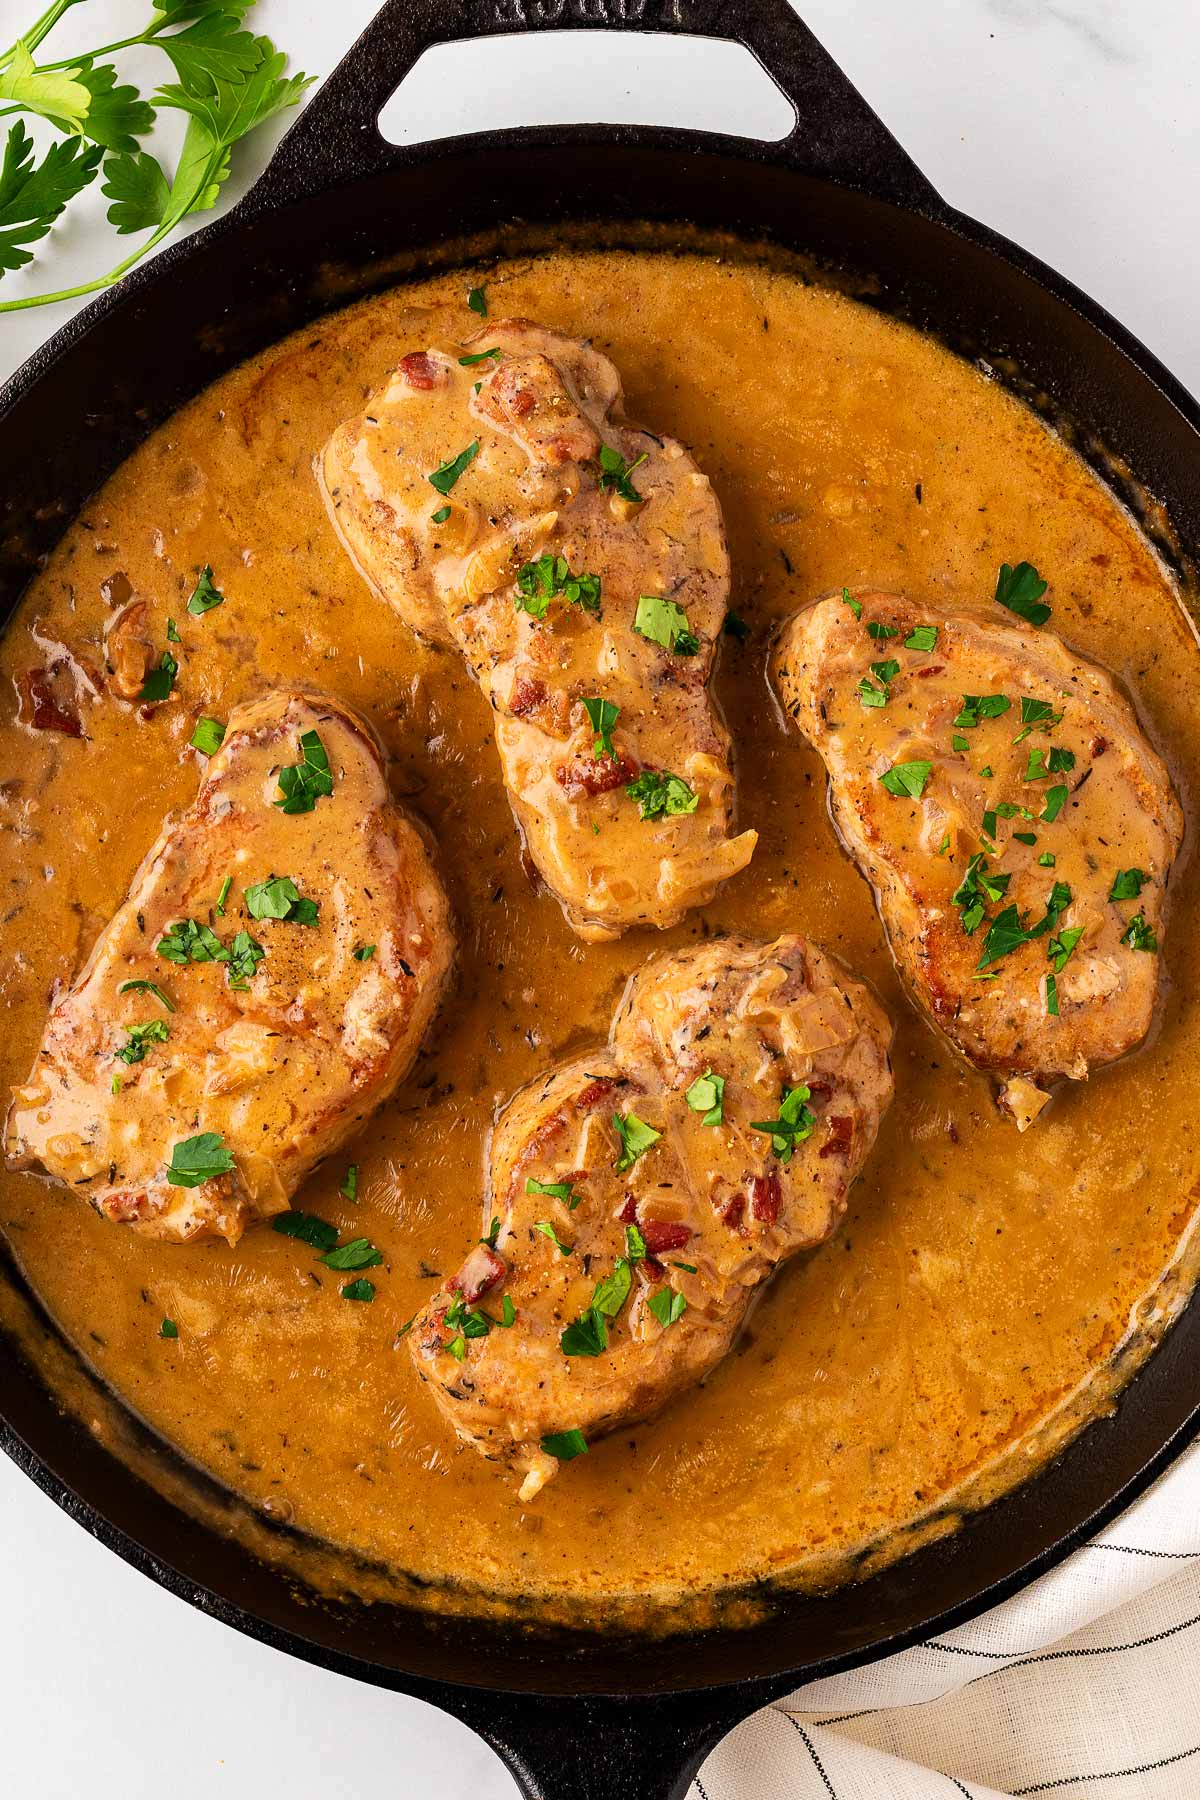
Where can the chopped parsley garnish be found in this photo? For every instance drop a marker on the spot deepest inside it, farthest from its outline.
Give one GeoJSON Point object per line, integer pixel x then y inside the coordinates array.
{"type": "Point", "coordinates": [922, 637]}
{"type": "Point", "coordinates": [667, 1305]}
{"type": "Point", "coordinates": [635, 1244]}
{"type": "Point", "coordinates": [1061, 761]}
{"type": "Point", "coordinates": [245, 954]}
{"type": "Point", "coordinates": [612, 1290]}
{"type": "Point", "coordinates": [160, 681]}
{"type": "Point", "coordinates": [1056, 799]}
{"type": "Point", "coordinates": [493, 1233]}
{"type": "Point", "coordinates": [688, 1268]}
{"type": "Point", "coordinates": [508, 1312]}
{"type": "Point", "coordinates": [477, 301]}
{"type": "Point", "coordinates": [707, 1095]}
{"type": "Point", "coordinates": [349, 1187]}
{"type": "Point", "coordinates": [987, 772]}
{"type": "Point", "coordinates": [1025, 837]}
{"type": "Point", "coordinates": [188, 940]}
{"type": "Point", "coordinates": [1021, 590]}
{"type": "Point", "coordinates": [906, 779]}
{"type": "Point", "coordinates": [615, 473]}
{"type": "Point", "coordinates": [943, 846]}
{"type": "Point", "coordinates": [664, 622]}
{"type": "Point", "coordinates": [198, 1159]}
{"type": "Point", "coordinates": [959, 743]}
{"type": "Point", "coordinates": [854, 605]}
{"type": "Point", "coordinates": [359, 1253]}
{"type": "Point", "coordinates": [1046, 859]}
{"type": "Point", "coordinates": [981, 706]}
{"type": "Point", "coordinates": [1035, 768]}
{"type": "Point", "coordinates": [447, 473]}
{"type": "Point", "coordinates": [204, 595]}
{"type": "Point", "coordinates": [470, 1321]}
{"type": "Point", "coordinates": [585, 1336]}
{"type": "Point", "coordinates": [1138, 934]}
{"type": "Point", "coordinates": [736, 627]}
{"type": "Point", "coordinates": [364, 953]}
{"type": "Point", "coordinates": [1052, 997]}
{"type": "Point", "coordinates": [140, 1038]}
{"type": "Point", "coordinates": [557, 1190]}
{"type": "Point", "coordinates": [977, 887]}
{"type": "Point", "coordinates": [1008, 810]}
{"type": "Point", "coordinates": [658, 793]}
{"type": "Point", "coordinates": [173, 636]}
{"type": "Point", "coordinates": [303, 783]}
{"type": "Point", "coordinates": [458, 1348]}
{"type": "Point", "coordinates": [565, 1446]}
{"type": "Point", "coordinates": [278, 897]}
{"type": "Point", "coordinates": [603, 715]}
{"type": "Point", "coordinates": [538, 582]}
{"type": "Point", "coordinates": [307, 1227]}
{"type": "Point", "coordinates": [140, 986]}
{"type": "Point", "coordinates": [636, 1138]}
{"type": "Point", "coordinates": [168, 1329]}
{"type": "Point", "coordinates": [208, 736]}
{"type": "Point", "coordinates": [885, 673]}
{"type": "Point", "coordinates": [469, 362]}
{"type": "Point", "coordinates": [794, 1124]}
{"type": "Point", "coordinates": [1127, 884]}
{"type": "Point", "coordinates": [876, 630]}
{"type": "Point", "coordinates": [362, 1289]}
{"type": "Point", "coordinates": [548, 1230]}
{"type": "Point", "coordinates": [1036, 712]}
{"type": "Point", "coordinates": [1007, 931]}
{"type": "Point", "coordinates": [223, 896]}
{"type": "Point", "coordinates": [1058, 949]}
{"type": "Point", "coordinates": [440, 514]}
{"type": "Point", "coordinates": [989, 823]}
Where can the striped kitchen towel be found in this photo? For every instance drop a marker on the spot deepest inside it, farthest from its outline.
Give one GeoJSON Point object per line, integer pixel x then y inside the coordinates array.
{"type": "Point", "coordinates": [1087, 1685]}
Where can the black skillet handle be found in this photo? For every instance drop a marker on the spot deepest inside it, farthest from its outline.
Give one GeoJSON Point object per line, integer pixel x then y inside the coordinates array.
{"type": "Point", "coordinates": [836, 135]}
{"type": "Point", "coordinates": [596, 1748]}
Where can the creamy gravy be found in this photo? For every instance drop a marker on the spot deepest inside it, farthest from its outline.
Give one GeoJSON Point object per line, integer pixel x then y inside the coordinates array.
{"type": "Point", "coordinates": [981, 1282]}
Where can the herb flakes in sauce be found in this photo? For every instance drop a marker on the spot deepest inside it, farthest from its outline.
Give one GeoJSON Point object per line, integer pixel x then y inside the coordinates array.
{"type": "Point", "coordinates": [907, 779]}
{"type": "Point", "coordinates": [1020, 589]}
{"type": "Point", "coordinates": [198, 1159]}
{"type": "Point", "coordinates": [794, 1124]}
{"type": "Point", "coordinates": [447, 473]}
{"type": "Point", "coordinates": [636, 1138]}
{"type": "Point", "coordinates": [664, 622]}
{"type": "Point", "coordinates": [658, 793]}
{"type": "Point", "coordinates": [205, 595]}
{"type": "Point", "coordinates": [302, 784]}
{"type": "Point", "coordinates": [707, 1095]}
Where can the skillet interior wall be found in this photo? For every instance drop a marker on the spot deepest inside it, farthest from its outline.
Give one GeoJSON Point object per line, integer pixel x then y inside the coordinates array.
{"type": "Point", "coordinates": [697, 432]}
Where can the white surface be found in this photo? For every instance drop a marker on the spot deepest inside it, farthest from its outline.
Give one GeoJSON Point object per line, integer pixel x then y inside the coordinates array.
{"type": "Point", "coordinates": [1070, 125]}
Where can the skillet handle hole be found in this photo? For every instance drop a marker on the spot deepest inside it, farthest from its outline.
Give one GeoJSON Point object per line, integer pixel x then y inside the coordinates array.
{"type": "Point", "coordinates": [584, 78]}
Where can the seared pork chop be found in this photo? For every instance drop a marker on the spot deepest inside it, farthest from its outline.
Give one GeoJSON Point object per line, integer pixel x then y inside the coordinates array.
{"type": "Point", "coordinates": [265, 986]}
{"type": "Point", "coordinates": [494, 495]}
{"type": "Point", "coordinates": [1018, 830]}
{"type": "Point", "coordinates": [641, 1194]}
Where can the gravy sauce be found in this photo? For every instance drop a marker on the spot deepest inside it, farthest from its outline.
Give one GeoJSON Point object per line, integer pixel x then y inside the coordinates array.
{"type": "Point", "coordinates": [982, 1284]}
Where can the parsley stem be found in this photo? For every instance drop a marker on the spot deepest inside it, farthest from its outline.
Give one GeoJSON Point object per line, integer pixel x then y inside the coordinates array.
{"type": "Point", "coordinates": [43, 27]}
{"type": "Point", "coordinates": [72, 62]}
{"type": "Point", "coordinates": [101, 281]}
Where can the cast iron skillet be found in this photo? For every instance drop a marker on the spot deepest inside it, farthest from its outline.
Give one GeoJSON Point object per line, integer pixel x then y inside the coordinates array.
{"type": "Point", "coordinates": [624, 1717]}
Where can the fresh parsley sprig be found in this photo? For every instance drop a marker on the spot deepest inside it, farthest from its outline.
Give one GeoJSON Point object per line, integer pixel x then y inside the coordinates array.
{"type": "Point", "coordinates": [228, 83]}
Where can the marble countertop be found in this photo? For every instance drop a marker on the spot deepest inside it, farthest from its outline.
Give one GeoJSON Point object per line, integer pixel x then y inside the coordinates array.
{"type": "Point", "coordinates": [1071, 126]}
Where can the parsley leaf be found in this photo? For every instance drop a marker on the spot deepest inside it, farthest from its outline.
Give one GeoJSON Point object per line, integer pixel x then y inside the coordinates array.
{"type": "Point", "coordinates": [168, 1329]}
{"type": "Point", "coordinates": [160, 681]}
{"type": "Point", "coordinates": [447, 473]}
{"type": "Point", "coordinates": [565, 1446]}
{"type": "Point", "coordinates": [981, 706]}
{"type": "Point", "coordinates": [188, 940]}
{"type": "Point", "coordinates": [1051, 997]}
{"type": "Point", "coordinates": [612, 1290]}
{"type": "Point", "coordinates": [736, 627]}
{"type": "Point", "coordinates": [307, 1227]}
{"type": "Point", "coordinates": [278, 897]}
{"type": "Point", "coordinates": [664, 622]}
{"type": "Point", "coordinates": [33, 196]}
{"type": "Point", "coordinates": [1139, 935]}
{"type": "Point", "coordinates": [603, 715]}
{"type": "Point", "coordinates": [364, 953]}
{"type": "Point", "coordinates": [198, 1159]}
{"type": "Point", "coordinates": [906, 779]}
{"type": "Point", "coordinates": [362, 1289]}
{"type": "Point", "coordinates": [57, 94]}
{"type": "Point", "coordinates": [854, 605]}
{"type": "Point", "coordinates": [245, 954]}
{"type": "Point", "coordinates": [1056, 799]}
{"type": "Point", "coordinates": [558, 1190]}
{"type": "Point", "coordinates": [876, 630]}
{"type": "Point", "coordinates": [658, 793]}
{"type": "Point", "coordinates": [585, 1336]}
{"type": "Point", "coordinates": [548, 1230]}
{"type": "Point", "coordinates": [1127, 884]}
{"type": "Point", "coordinates": [359, 1253]}
{"type": "Point", "coordinates": [303, 783]}
{"type": "Point", "coordinates": [922, 637]}
{"type": "Point", "coordinates": [667, 1305]}
{"type": "Point", "coordinates": [1059, 948]}
{"type": "Point", "coordinates": [538, 582]}
{"type": "Point", "coordinates": [794, 1124]}
{"type": "Point", "coordinates": [208, 736]}
{"type": "Point", "coordinates": [349, 1187]}
{"type": "Point", "coordinates": [140, 1038]}
{"type": "Point", "coordinates": [615, 473]}
{"type": "Point", "coordinates": [477, 301]}
{"type": "Point", "coordinates": [1021, 590]}
{"type": "Point", "coordinates": [141, 986]}
{"type": "Point", "coordinates": [469, 362]}
{"type": "Point", "coordinates": [707, 1095]}
{"type": "Point", "coordinates": [636, 1138]}
{"type": "Point", "coordinates": [204, 595]}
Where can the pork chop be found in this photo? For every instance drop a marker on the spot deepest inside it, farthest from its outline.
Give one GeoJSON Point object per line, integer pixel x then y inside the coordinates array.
{"type": "Point", "coordinates": [266, 985]}
{"type": "Point", "coordinates": [493, 493]}
{"type": "Point", "coordinates": [998, 793]}
{"type": "Point", "coordinates": [640, 1195]}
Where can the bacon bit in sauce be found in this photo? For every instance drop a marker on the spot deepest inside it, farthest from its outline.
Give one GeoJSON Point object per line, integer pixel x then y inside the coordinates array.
{"type": "Point", "coordinates": [734, 1211]}
{"type": "Point", "coordinates": [481, 1271]}
{"type": "Point", "coordinates": [628, 1213]}
{"type": "Point", "coordinates": [527, 696]}
{"type": "Point", "coordinates": [38, 706]}
{"type": "Point", "coordinates": [766, 1196]}
{"type": "Point", "coordinates": [663, 1234]}
{"type": "Point", "coordinates": [587, 776]}
{"type": "Point", "coordinates": [841, 1136]}
{"type": "Point", "coordinates": [1098, 746]}
{"type": "Point", "coordinates": [933, 669]}
{"type": "Point", "coordinates": [596, 1090]}
{"type": "Point", "coordinates": [419, 370]}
